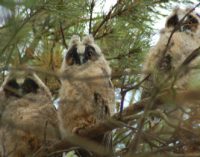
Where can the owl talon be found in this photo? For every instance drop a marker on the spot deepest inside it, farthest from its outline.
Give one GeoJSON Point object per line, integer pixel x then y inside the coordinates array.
{"type": "Point", "coordinates": [76, 130]}
{"type": "Point", "coordinates": [90, 123]}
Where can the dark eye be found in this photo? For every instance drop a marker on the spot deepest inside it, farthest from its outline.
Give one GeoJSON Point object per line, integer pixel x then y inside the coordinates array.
{"type": "Point", "coordinates": [11, 88]}
{"type": "Point", "coordinates": [191, 23]}
{"type": "Point", "coordinates": [172, 21]}
{"type": "Point", "coordinates": [90, 54]}
{"type": "Point", "coordinates": [29, 86]}
{"type": "Point", "coordinates": [72, 56]}
{"type": "Point", "coordinates": [90, 51]}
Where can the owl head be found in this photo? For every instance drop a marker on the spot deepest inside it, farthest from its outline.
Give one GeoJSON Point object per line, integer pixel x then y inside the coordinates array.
{"type": "Point", "coordinates": [81, 52]}
{"type": "Point", "coordinates": [190, 24]}
{"type": "Point", "coordinates": [178, 39]}
{"type": "Point", "coordinates": [20, 83]}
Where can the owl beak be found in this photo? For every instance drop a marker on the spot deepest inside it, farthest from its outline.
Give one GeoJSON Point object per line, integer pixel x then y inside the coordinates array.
{"type": "Point", "coordinates": [81, 57]}
{"type": "Point", "coordinates": [20, 81]}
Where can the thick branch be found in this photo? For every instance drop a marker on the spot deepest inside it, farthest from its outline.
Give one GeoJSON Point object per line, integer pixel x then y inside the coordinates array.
{"type": "Point", "coordinates": [110, 124]}
{"type": "Point", "coordinates": [73, 140]}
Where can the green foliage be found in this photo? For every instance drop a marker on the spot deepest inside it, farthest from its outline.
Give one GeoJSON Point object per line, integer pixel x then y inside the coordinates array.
{"type": "Point", "coordinates": [32, 36]}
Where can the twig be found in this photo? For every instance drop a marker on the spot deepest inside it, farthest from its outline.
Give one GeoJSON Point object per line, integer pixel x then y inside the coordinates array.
{"type": "Point", "coordinates": [184, 65]}
{"type": "Point", "coordinates": [85, 143]}
{"type": "Point", "coordinates": [121, 56]}
{"type": "Point", "coordinates": [128, 88]}
{"type": "Point", "coordinates": [63, 36]}
{"type": "Point", "coordinates": [51, 63]}
{"type": "Point", "coordinates": [110, 124]}
{"type": "Point", "coordinates": [107, 17]}
{"type": "Point", "coordinates": [165, 118]}
{"type": "Point", "coordinates": [135, 142]}
{"type": "Point", "coordinates": [123, 95]}
{"type": "Point", "coordinates": [153, 98]}
{"type": "Point", "coordinates": [191, 57]}
{"type": "Point", "coordinates": [91, 15]}
{"type": "Point", "coordinates": [127, 135]}
{"type": "Point", "coordinates": [19, 29]}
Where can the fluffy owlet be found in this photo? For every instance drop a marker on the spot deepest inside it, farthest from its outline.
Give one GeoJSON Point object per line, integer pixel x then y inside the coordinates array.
{"type": "Point", "coordinates": [171, 63]}
{"type": "Point", "coordinates": [86, 94]}
{"type": "Point", "coordinates": [185, 39]}
{"type": "Point", "coordinates": [28, 118]}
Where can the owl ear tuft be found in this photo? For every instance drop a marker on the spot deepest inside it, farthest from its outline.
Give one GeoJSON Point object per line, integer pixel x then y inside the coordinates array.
{"type": "Point", "coordinates": [176, 9]}
{"type": "Point", "coordinates": [173, 19]}
{"type": "Point", "coordinates": [88, 39]}
{"type": "Point", "coordinates": [189, 8]}
{"type": "Point", "coordinates": [74, 40]}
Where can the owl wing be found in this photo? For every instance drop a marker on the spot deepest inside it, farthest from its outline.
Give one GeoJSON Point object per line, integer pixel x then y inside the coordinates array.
{"type": "Point", "coordinates": [109, 92]}
{"type": "Point", "coordinates": [105, 101]}
{"type": "Point", "coordinates": [156, 66]}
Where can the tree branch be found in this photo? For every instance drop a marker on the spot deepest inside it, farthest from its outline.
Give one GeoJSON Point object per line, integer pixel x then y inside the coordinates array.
{"type": "Point", "coordinates": [113, 123]}
{"type": "Point", "coordinates": [105, 19]}
{"type": "Point", "coordinates": [91, 15]}
{"type": "Point", "coordinates": [63, 36]}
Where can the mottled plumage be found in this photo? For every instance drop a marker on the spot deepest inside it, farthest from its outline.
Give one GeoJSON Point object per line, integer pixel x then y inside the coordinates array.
{"type": "Point", "coordinates": [166, 71]}
{"type": "Point", "coordinates": [160, 63]}
{"type": "Point", "coordinates": [28, 117]}
{"type": "Point", "coordinates": [86, 94]}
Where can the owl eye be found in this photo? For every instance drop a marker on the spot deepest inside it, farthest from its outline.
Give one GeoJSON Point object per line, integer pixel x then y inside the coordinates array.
{"type": "Point", "coordinates": [11, 88]}
{"type": "Point", "coordinates": [191, 24]}
{"type": "Point", "coordinates": [172, 21]}
{"type": "Point", "coordinates": [72, 56]}
{"type": "Point", "coordinates": [90, 54]}
{"type": "Point", "coordinates": [29, 86]}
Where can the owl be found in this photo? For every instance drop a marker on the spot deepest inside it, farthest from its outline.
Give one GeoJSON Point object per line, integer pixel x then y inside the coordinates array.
{"type": "Point", "coordinates": [86, 93]}
{"type": "Point", "coordinates": [164, 68]}
{"type": "Point", "coordinates": [28, 119]}
{"type": "Point", "coordinates": [167, 56]}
